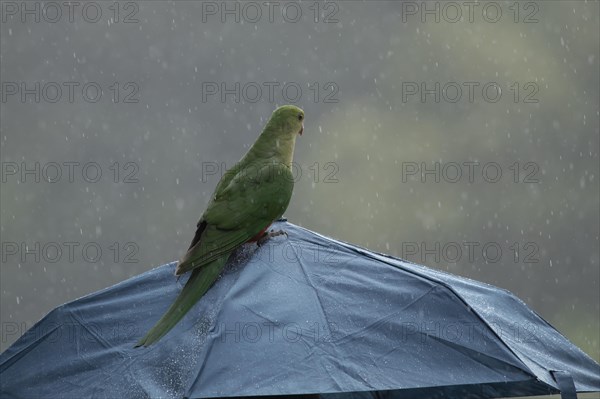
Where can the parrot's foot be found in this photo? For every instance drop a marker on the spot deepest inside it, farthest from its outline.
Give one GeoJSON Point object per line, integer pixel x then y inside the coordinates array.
{"type": "Point", "coordinates": [270, 234]}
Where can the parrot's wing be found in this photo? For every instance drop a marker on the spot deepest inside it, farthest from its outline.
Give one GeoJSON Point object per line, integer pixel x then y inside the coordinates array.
{"type": "Point", "coordinates": [223, 183]}
{"type": "Point", "coordinates": [248, 204]}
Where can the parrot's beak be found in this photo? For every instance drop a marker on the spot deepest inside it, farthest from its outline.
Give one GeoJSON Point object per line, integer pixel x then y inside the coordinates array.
{"type": "Point", "coordinates": [301, 130]}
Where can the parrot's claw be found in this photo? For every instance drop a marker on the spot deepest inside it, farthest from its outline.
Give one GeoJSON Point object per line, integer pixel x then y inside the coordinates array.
{"type": "Point", "coordinates": [270, 234]}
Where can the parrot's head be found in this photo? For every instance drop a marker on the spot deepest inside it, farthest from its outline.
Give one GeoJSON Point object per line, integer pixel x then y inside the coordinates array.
{"type": "Point", "coordinates": [288, 120]}
{"type": "Point", "coordinates": [279, 136]}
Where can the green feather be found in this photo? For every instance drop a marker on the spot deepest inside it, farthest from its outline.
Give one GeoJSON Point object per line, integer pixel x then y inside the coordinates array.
{"type": "Point", "coordinates": [197, 285]}
{"type": "Point", "coordinates": [247, 199]}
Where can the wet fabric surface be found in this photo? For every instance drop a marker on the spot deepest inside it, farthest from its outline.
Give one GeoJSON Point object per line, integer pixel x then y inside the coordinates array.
{"type": "Point", "coordinates": [300, 315]}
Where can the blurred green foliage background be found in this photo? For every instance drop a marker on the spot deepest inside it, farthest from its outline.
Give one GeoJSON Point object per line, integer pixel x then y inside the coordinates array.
{"type": "Point", "coordinates": [350, 160]}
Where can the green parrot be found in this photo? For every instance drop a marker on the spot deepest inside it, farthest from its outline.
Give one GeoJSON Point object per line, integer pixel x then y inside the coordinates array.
{"type": "Point", "coordinates": [247, 199]}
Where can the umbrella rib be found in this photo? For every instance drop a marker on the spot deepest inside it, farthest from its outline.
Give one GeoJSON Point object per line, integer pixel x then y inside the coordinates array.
{"type": "Point", "coordinates": [371, 254]}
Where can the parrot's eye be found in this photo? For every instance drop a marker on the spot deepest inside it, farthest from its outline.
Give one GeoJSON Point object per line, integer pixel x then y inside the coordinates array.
{"type": "Point", "coordinates": [300, 117]}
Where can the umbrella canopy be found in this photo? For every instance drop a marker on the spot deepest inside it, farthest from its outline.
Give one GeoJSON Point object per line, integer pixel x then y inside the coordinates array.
{"type": "Point", "coordinates": [303, 315]}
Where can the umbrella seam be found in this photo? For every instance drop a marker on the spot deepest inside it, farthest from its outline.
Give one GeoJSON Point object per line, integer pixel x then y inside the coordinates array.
{"type": "Point", "coordinates": [370, 254]}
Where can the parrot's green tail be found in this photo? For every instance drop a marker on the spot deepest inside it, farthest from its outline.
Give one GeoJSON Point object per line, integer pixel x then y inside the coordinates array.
{"type": "Point", "coordinates": [200, 281]}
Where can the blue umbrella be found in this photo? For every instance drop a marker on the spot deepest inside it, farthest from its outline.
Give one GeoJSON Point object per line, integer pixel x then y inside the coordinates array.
{"type": "Point", "coordinates": [303, 315]}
